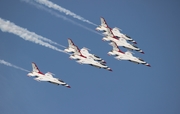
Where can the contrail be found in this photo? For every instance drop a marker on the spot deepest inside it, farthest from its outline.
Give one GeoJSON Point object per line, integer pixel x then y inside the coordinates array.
{"type": "Point", "coordinates": [60, 16]}
{"type": "Point", "coordinates": [43, 38]}
{"type": "Point", "coordinates": [11, 65]}
{"type": "Point", "coordinates": [7, 26]}
{"type": "Point", "coordinates": [47, 40]}
{"type": "Point", "coordinates": [63, 10]}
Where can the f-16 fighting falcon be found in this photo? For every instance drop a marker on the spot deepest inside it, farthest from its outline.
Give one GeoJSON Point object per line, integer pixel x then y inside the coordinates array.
{"type": "Point", "coordinates": [84, 51]}
{"type": "Point", "coordinates": [125, 56]}
{"type": "Point", "coordinates": [45, 77]}
{"type": "Point", "coordinates": [116, 31]}
{"type": "Point", "coordinates": [120, 41]}
{"type": "Point", "coordinates": [77, 55]}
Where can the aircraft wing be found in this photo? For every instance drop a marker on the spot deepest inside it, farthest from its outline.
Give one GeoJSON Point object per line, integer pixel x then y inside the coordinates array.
{"type": "Point", "coordinates": [48, 74]}
{"type": "Point", "coordinates": [41, 79]}
{"type": "Point", "coordinates": [121, 58]}
{"type": "Point", "coordinates": [87, 60]}
{"type": "Point", "coordinates": [129, 53]}
{"type": "Point", "coordinates": [86, 53]}
{"type": "Point", "coordinates": [117, 30]}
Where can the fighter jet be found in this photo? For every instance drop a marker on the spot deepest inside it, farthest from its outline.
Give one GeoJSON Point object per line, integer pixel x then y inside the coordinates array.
{"type": "Point", "coordinates": [84, 51]}
{"type": "Point", "coordinates": [120, 41]}
{"type": "Point", "coordinates": [125, 56]}
{"type": "Point", "coordinates": [116, 31]}
{"type": "Point", "coordinates": [77, 55]}
{"type": "Point", "coordinates": [45, 77]}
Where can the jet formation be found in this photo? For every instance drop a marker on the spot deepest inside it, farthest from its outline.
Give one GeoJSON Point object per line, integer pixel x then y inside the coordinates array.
{"type": "Point", "coordinates": [116, 39]}
{"type": "Point", "coordinates": [82, 56]}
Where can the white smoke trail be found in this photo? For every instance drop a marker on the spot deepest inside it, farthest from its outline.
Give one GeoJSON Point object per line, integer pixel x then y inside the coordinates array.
{"type": "Point", "coordinates": [48, 40]}
{"type": "Point", "coordinates": [59, 16]}
{"type": "Point", "coordinates": [61, 9]}
{"type": "Point", "coordinates": [11, 65]}
{"type": "Point", "coordinates": [7, 26]}
{"type": "Point", "coordinates": [42, 38]}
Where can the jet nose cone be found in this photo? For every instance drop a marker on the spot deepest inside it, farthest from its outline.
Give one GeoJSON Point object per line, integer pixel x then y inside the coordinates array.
{"type": "Point", "coordinates": [68, 86]}
{"type": "Point", "coordinates": [110, 69]}
{"type": "Point", "coordinates": [28, 74]}
{"type": "Point", "coordinates": [148, 65]}
{"type": "Point", "coordinates": [142, 52]}
{"type": "Point", "coordinates": [135, 42]}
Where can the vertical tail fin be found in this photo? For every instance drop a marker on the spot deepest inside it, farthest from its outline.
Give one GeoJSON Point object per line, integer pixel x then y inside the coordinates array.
{"type": "Point", "coordinates": [103, 22]}
{"type": "Point", "coordinates": [129, 53]}
{"type": "Point", "coordinates": [116, 29]}
{"type": "Point", "coordinates": [85, 50]}
{"type": "Point", "coordinates": [71, 43]}
{"type": "Point", "coordinates": [35, 68]}
{"type": "Point", "coordinates": [77, 51]}
{"type": "Point", "coordinates": [115, 47]}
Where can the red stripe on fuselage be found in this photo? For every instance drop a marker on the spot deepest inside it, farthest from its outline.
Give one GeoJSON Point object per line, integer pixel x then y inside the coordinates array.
{"type": "Point", "coordinates": [41, 73]}
{"type": "Point", "coordinates": [83, 56]}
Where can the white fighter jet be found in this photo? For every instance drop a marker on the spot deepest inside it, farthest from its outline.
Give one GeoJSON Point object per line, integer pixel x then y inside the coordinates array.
{"type": "Point", "coordinates": [120, 41]}
{"type": "Point", "coordinates": [116, 31]}
{"type": "Point", "coordinates": [84, 51]}
{"type": "Point", "coordinates": [125, 56]}
{"type": "Point", "coordinates": [45, 77]}
{"type": "Point", "coordinates": [77, 55]}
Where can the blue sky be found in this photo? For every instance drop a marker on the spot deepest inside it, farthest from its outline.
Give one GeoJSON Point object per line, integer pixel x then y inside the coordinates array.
{"type": "Point", "coordinates": [129, 89]}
